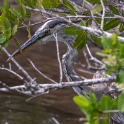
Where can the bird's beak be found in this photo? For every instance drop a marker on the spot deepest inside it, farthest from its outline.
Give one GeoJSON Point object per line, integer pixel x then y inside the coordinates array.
{"type": "Point", "coordinates": [27, 45]}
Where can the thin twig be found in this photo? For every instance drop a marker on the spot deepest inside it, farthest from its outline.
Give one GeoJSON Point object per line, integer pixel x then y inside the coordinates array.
{"type": "Point", "coordinates": [84, 71]}
{"type": "Point", "coordinates": [103, 15]}
{"type": "Point", "coordinates": [41, 72]}
{"type": "Point", "coordinates": [58, 56]}
{"type": "Point", "coordinates": [13, 72]}
{"type": "Point", "coordinates": [7, 88]}
{"type": "Point", "coordinates": [94, 19]}
{"type": "Point", "coordinates": [55, 120]}
{"type": "Point", "coordinates": [10, 66]}
{"type": "Point", "coordinates": [16, 63]}
{"type": "Point", "coordinates": [34, 96]}
{"type": "Point", "coordinates": [93, 58]}
{"type": "Point", "coordinates": [110, 111]}
{"type": "Point", "coordinates": [99, 17]}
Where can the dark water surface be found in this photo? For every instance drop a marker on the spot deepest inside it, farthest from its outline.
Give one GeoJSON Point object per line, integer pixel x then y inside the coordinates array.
{"type": "Point", "coordinates": [58, 104]}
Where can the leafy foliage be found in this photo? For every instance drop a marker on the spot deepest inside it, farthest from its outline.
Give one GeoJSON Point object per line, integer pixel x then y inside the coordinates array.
{"type": "Point", "coordinates": [10, 19]}
{"type": "Point", "coordinates": [113, 51]}
{"type": "Point", "coordinates": [95, 111]}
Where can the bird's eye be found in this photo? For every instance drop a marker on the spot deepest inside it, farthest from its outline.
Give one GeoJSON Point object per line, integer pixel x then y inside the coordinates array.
{"type": "Point", "coordinates": [47, 31]}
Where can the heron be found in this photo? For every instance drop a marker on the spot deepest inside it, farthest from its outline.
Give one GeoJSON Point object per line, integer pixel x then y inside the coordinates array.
{"type": "Point", "coordinates": [45, 34]}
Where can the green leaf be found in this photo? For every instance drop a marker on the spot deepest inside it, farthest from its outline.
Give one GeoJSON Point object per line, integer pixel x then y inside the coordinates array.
{"type": "Point", "coordinates": [89, 22]}
{"type": "Point", "coordinates": [121, 102]}
{"type": "Point", "coordinates": [121, 28]}
{"type": "Point", "coordinates": [23, 10]}
{"type": "Point", "coordinates": [81, 101]}
{"type": "Point", "coordinates": [114, 103]}
{"type": "Point", "coordinates": [106, 121]}
{"type": "Point", "coordinates": [6, 6]}
{"type": "Point", "coordinates": [69, 7]}
{"type": "Point", "coordinates": [114, 40]}
{"type": "Point", "coordinates": [15, 12]}
{"type": "Point", "coordinates": [80, 40]}
{"type": "Point", "coordinates": [96, 40]}
{"type": "Point", "coordinates": [95, 1]}
{"type": "Point", "coordinates": [105, 103]}
{"type": "Point", "coordinates": [8, 33]}
{"type": "Point", "coordinates": [97, 8]}
{"type": "Point", "coordinates": [93, 98]}
{"type": "Point", "coordinates": [111, 24]}
{"type": "Point", "coordinates": [18, 1]}
{"type": "Point", "coordinates": [30, 3]}
{"type": "Point", "coordinates": [101, 54]}
{"type": "Point", "coordinates": [14, 30]}
{"type": "Point", "coordinates": [16, 22]}
{"type": "Point", "coordinates": [81, 23]}
{"type": "Point", "coordinates": [72, 30]}
{"type": "Point", "coordinates": [50, 3]}
{"type": "Point", "coordinates": [2, 38]}
{"type": "Point", "coordinates": [113, 9]}
{"type": "Point", "coordinates": [18, 45]}
{"type": "Point", "coordinates": [33, 2]}
{"type": "Point", "coordinates": [120, 77]}
{"type": "Point", "coordinates": [28, 14]}
{"type": "Point", "coordinates": [5, 44]}
{"type": "Point", "coordinates": [7, 23]}
{"type": "Point", "coordinates": [122, 12]}
{"type": "Point", "coordinates": [106, 42]}
{"type": "Point", "coordinates": [39, 4]}
{"type": "Point", "coordinates": [62, 14]}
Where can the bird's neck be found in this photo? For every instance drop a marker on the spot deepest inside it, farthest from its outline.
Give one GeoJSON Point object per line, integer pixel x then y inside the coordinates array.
{"type": "Point", "coordinates": [70, 56]}
{"type": "Point", "coordinates": [67, 63]}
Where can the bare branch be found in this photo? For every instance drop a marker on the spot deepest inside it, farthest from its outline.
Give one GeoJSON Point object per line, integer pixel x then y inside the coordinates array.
{"type": "Point", "coordinates": [84, 71]}
{"type": "Point", "coordinates": [94, 19]}
{"type": "Point", "coordinates": [93, 58]}
{"type": "Point", "coordinates": [55, 120]}
{"type": "Point", "coordinates": [103, 14]}
{"type": "Point", "coordinates": [16, 63]}
{"type": "Point", "coordinates": [6, 69]}
{"type": "Point", "coordinates": [15, 88]}
{"type": "Point", "coordinates": [41, 72]}
{"type": "Point", "coordinates": [110, 111]}
{"type": "Point", "coordinates": [43, 88]}
{"type": "Point", "coordinates": [58, 56]}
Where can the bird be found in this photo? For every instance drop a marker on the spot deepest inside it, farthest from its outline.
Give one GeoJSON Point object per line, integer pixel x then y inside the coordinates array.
{"type": "Point", "coordinates": [45, 34]}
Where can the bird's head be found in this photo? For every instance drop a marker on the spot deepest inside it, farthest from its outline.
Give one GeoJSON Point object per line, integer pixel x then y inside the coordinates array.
{"type": "Point", "coordinates": [43, 35]}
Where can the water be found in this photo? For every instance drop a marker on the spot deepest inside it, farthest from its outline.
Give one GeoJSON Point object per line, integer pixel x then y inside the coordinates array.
{"type": "Point", "coordinates": [40, 110]}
